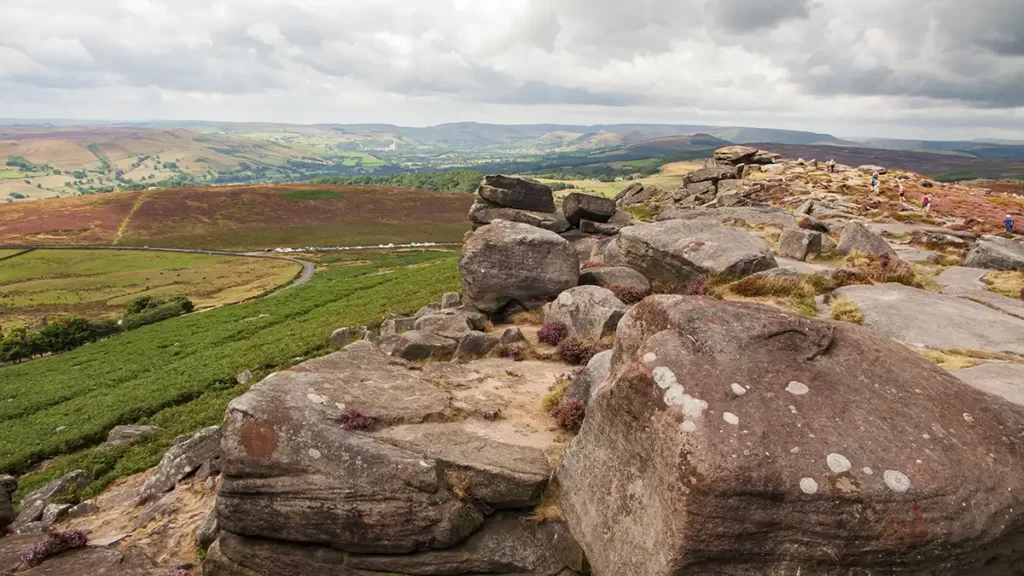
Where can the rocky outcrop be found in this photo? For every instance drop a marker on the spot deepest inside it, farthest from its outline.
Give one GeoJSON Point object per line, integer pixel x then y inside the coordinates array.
{"type": "Point", "coordinates": [516, 192]}
{"type": "Point", "coordinates": [798, 244]}
{"type": "Point", "coordinates": [636, 194]}
{"type": "Point", "coordinates": [746, 215]}
{"type": "Point", "coordinates": [676, 252]}
{"type": "Point", "coordinates": [420, 346]}
{"type": "Point", "coordinates": [712, 175]}
{"type": "Point", "coordinates": [450, 300]}
{"type": "Point", "coordinates": [734, 154]}
{"type": "Point", "coordinates": [351, 464]}
{"type": "Point", "coordinates": [929, 320]}
{"type": "Point", "coordinates": [91, 560]}
{"type": "Point", "coordinates": [34, 505]}
{"type": "Point", "coordinates": [857, 238]}
{"type": "Point", "coordinates": [616, 278]}
{"type": "Point", "coordinates": [131, 434]}
{"type": "Point", "coordinates": [395, 325]}
{"type": "Point", "coordinates": [484, 212]}
{"type": "Point", "coordinates": [505, 262]}
{"type": "Point", "coordinates": [343, 336]}
{"type": "Point", "coordinates": [590, 312]}
{"type": "Point", "coordinates": [184, 458]}
{"type": "Point", "coordinates": [735, 438]}
{"type": "Point", "coordinates": [996, 253]}
{"type": "Point", "coordinates": [578, 206]}
{"type": "Point", "coordinates": [601, 228]}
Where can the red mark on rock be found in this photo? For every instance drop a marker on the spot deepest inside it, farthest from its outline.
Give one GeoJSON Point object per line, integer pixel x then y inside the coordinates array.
{"type": "Point", "coordinates": [258, 439]}
{"type": "Point", "coordinates": [921, 530]}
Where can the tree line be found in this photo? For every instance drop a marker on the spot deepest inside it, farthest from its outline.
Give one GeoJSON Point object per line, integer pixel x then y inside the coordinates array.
{"type": "Point", "coordinates": [448, 181]}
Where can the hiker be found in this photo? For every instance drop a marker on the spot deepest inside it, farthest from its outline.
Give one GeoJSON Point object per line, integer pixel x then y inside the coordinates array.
{"type": "Point", "coordinates": [926, 203]}
{"type": "Point", "coordinates": [1009, 224]}
{"type": "Point", "coordinates": [874, 183]}
{"type": "Point", "coordinates": [832, 166]}
{"type": "Point", "coordinates": [903, 193]}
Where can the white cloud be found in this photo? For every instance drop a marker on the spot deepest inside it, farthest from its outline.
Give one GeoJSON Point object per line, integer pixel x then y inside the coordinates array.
{"type": "Point", "coordinates": [894, 67]}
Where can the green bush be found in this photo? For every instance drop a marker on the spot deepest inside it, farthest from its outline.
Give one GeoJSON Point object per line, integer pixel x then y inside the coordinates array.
{"type": "Point", "coordinates": [170, 309]}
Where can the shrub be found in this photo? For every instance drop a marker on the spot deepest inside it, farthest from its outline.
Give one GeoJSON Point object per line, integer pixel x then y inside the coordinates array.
{"type": "Point", "coordinates": [570, 413]}
{"type": "Point", "coordinates": [169, 309]}
{"type": "Point", "coordinates": [698, 287]}
{"type": "Point", "coordinates": [885, 268]}
{"type": "Point", "coordinates": [180, 572]}
{"type": "Point", "coordinates": [552, 332]}
{"type": "Point", "coordinates": [628, 294]}
{"type": "Point", "coordinates": [553, 398]}
{"type": "Point", "coordinates": [592, 264]}
{"type": "Point", "coordinates": [823, 283]}
{"type": "Point", "coordinates": [577, 353]}
{"type": "Point", "coordinates": [353, 419]}
{"type": "Point", "coordinates": [844, 310]}
{"type": "Point", "coordinates": [54, 545]}
{"type": "Point", "coordinates": [141, 304]}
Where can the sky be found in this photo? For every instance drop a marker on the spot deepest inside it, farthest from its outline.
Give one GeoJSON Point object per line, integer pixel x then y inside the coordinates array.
{"type": "Point", "coordinates": [937, 69]}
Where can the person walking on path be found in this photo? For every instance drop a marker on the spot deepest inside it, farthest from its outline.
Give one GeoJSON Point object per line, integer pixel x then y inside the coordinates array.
{"type": "Point", "coordinates": [1009, 224]}
{"type": "Point", "coordinates": [874, 183]}
{"type": "Point", "coordinates": [926, 203]}
{"type": "Point", "coordinates": [831, 166]}
{"type": "Point", "coordinates": [903, 193]}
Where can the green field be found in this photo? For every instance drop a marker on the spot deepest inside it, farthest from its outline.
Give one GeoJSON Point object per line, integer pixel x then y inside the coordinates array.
{"type": "Point", "coordinates": [180, 373]}
{"type": "Point", "coordinates": [99, 283]}
{"type": "Point", "coordinates": [8, 174]}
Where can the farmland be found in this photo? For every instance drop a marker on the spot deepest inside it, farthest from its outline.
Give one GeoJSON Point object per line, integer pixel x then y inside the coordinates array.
{"type": "Point", "coordinates": [240, 217]}
{"type": "Point", "coordinates": [180, 373]}
{"type": "Point", "coordinates": [99, 283]}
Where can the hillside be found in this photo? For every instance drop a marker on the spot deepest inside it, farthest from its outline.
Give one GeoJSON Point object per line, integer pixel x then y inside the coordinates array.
{"type": "Point", "coordinates": [240, 217]}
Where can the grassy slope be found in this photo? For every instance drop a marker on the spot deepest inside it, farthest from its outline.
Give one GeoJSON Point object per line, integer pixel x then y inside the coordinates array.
{"type": "Point", "coordinates": [99, 283]}
{"type": "Point", "coordinates": [240, 217]}
{"type": "Point", "coordinates": [180, 373]}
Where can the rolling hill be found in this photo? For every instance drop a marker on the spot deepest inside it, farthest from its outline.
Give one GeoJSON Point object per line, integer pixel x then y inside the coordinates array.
{"type": "Point", "coordinates": [240, 217]}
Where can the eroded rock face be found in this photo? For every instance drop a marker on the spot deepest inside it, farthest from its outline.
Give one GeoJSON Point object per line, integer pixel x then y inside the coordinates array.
{"type": "Point", "coordinates": [418, 345]}
{"type": "Point", "coordinates": [181, 460]}
{"type": "Point", "coordinates": [676, 252]}
{"type": "Point", "coordinates": [578, 206]}
{"type": "Point", "coordinates": [34, 505]}
{"type": "Point", "coordinates": [712, 175]}
{"type": "Point", "coordinates": [516, 192]}
{"type": "Point", "coordinates": [484, 212]}
{"type": "Point", "coordinates": [590, 312]}
{"type": "Point", "coordinates": [507, 262]}
{"type": "Point", "coordinates": [996, 253]}
{"type": "Point", "coordinates": [617, 277]}
{"type": "Point", "coordinates": [799, 244]}
{"type": "Point", "coordinates": [734, 154]}
{"type": "Point", "coordinates": [637, 193]}
{"type": "Point", "coordinates": [857, 238]}
{"type": "Point", "coordinates": [735, 438]}
{"type": "Point", "coordinates": [749, 215]}
{"type": "Point", "coordinates": [404, 492]}
{"type": "Point", "coordinates": [592, 378]}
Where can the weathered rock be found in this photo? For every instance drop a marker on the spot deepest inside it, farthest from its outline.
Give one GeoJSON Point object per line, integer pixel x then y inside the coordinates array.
{"type": "Point", "coordinates": [926, 319]}
{"type": "Point", "coordinates": [591, 379]}
{"type": "Point", "coordinates": [938, 239]}
{"type": "Point", "coordinates": [678, 251]}
{"type": "Point", "coordinates": [871, 168]}
{"type": "Point", "coordinates": [244, 378]}
{"type": "Point", "coordinates": [180, 461]}
{"type": "Point", "coordinates": [91, 560]}
{"type": "Point", "coordinates": [750, 423]}
{"type": "Point", "coordinates": [516, 192]}
{"type": "Point", "coordinates": [578, 206]}
{"type": "Point", "coordinates": [828, 245]}
{"type": "Point", "coordinates": [417, 346]}
{"type": "Point", "coordinates": [786, 273]}
{"type": "Point", "coordinates": [735, 154]}
{"type": "Point", "coordinates": [702, 191]}
{"type": "Point", "coordinates": [857, 238]}
{"type": "Point", "coordinates": [506, 262]}
{"type": "Point", "coordinates": [54, 513]}
{"type": "Point", "coordinates": [483, 212]}
{"type": "Point", "coordinates": [511, 335]}
{"type": "Point", "coordinates": [1004, 379]}
{"type": "Point", "coordinates": [812, 223]}
{"type": "Point", "coordinates": [749, 215]}
{"type": "Point", "coordinates": [616, 278]}
{"type": "Point", "coordinates": [451, 326]}
{"type": "Point", "coordinates": [806, 208]}
{"type": "Point", "coordinates": [507, 544]}
{"type": "Point", "coordinates": [712, 175]}
{"type": "Point", "coordinates": [637, 193]}
{"type": "Point", "coordinates": [583, 243]}
{"type": "Point", "coordinates": [343, 336]}
{"type": "Point", "coordinates": [603, 228]}
{"type": "Point", "coordinates": [429, 308]}
{"type": "Point", "coordinates": [65, 488]}
{"type": "Point", "coordinates": [451, 300]}
{"type": "Point", "coordinates": [996, 253]}
{"type": "Point", "coordinates": [764, 157]}
{"type": "Point", "coordinates": [473, 345]}
{"type": "Point", "coordinates": [208, 531]}
{"type": "Point", "coordinates": [86, 508]}
{"type": "Point", "coordinates": [798, 244]}
{"type": "Point", "coordinates": [8, 484]}
{"type": "Point", "coordinates": [590, 312]}
{"type": "Point", "coordinates": [395, 325]}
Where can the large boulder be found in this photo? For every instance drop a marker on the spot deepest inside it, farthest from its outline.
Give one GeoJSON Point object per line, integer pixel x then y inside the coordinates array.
{"type": "Point", "coordinates": [582, 242]}
{"type": "Point", "coordinates": [516, 192]}
{"type": "Point", "coordinates": [131, 434]}
{"type": "Point", "coordinates": [182, 459]}
{"type": "Point", "coordinates": [591, 379]}
{"type": "Point", "coordinates": [616, 278]}
{"type": "Point", "coordinates": [736, 438]}
{"type": "Point", "coordinates": [420, 346]}
{"type": "Point", "coordinates": [578, 206]}
{"type": "Point", "coordinates": [484, 212]}
{"type": "Point", "coordinates": [996, 253]}
{"type": "Point", "coordinates": [506, 262]}
{"type": "Point", "coordinates": [798, 244]}
{"type": "Point", "coordinates": [734, 154]}
{"type": "Point", "coordinates": [34, 505]}
{"type": "Point", "coordinates": [452, 325]}
{"type": "Point", "coordinates": [712, 175]}
{"type": "Point", "coordinates": [394, 325]}
{"type": "Point", "coordinates": [749, 215]}
{"type": "Point", "coordinates": [352, 455]}
{"type": "Point", "coordinates": [474, 344]}
{"type": "Point", "coordinates": [930, 320]}
{"type": "Point", "coordinates": [676, 252]}
{"type": "Point", "coordinates": [342, 336]}
{"type": "Point", "coordinates": [857, 238]}
{"type": "Point", "coordinates": [590, 312]}
{"type": "Point", "coordinates": [1004, 379]}
{"type": "Point", "coordinates": [637, 193]}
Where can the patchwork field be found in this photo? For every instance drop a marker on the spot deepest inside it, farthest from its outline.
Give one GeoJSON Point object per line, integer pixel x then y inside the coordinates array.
{"type": "Point", "coordinates": [669, 178]}
{"type": "Point", "coordinates": [99, 283]}
{"type": "Point", "coordinates": [240, 217]}
{"type": "Point", "coordinates": [179, 374]}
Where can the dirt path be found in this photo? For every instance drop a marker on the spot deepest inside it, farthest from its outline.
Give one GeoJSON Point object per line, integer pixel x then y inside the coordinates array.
{"type": "Point", "coordinates": [124, 223]}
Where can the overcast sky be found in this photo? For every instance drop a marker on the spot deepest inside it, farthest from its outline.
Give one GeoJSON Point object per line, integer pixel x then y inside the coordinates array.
{"type": "Point", "coordinates": [898, 68]}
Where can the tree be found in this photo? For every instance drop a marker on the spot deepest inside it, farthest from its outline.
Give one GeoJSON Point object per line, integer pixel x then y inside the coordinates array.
{"type": "Point", "coordinates": [141, 304]}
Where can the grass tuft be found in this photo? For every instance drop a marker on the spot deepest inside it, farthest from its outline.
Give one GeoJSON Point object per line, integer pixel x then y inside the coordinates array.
{"type": "Point", "coordinates": [844, 310]}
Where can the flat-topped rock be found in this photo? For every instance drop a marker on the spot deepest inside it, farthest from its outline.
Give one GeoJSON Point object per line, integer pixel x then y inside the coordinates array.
{"type": "Point", "coordinates": [857, 238]}
{"type": "Point", "coordinates": [734, 154]}
{"type": "Point", "coordinates": [616, 278]}
{"type": "Point", "coordinates": [1004, 379]}
{"type": "Point", "coordinates": [749, 215]}
{"type": "Point", "coordinates": [736, 438]}
{"type": "Point", "coordinates": [590, 312]}
{"type": "Point", "coordinates": [996, 253]}
{"type": "Point", "coordinates": [517, 192]}
{"type": "Point", "coordinates": [578, 206]}
{"type": "Point", "coordinates": [484, 212]}
{"type": "Point", "coordinates": [927, 319]}
{"type": "Point", "coordinates": [676, 252]}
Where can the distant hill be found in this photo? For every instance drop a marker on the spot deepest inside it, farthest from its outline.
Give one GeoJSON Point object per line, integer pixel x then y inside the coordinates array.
{"type": "Point", "coordinates": [668, 145]}
{"type": "Point", "coordinates": [985, 149]}
{"type": "Point", "coordinates": [240, 217]}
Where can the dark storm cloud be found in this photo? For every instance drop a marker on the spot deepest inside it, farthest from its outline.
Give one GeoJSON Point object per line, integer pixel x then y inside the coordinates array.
{"type": "Point", "coordinates": [748, 15]}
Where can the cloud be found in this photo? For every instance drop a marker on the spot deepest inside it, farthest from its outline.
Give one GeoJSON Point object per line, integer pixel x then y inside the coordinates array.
{"type": "Point", "coordinates": [901, 65]}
